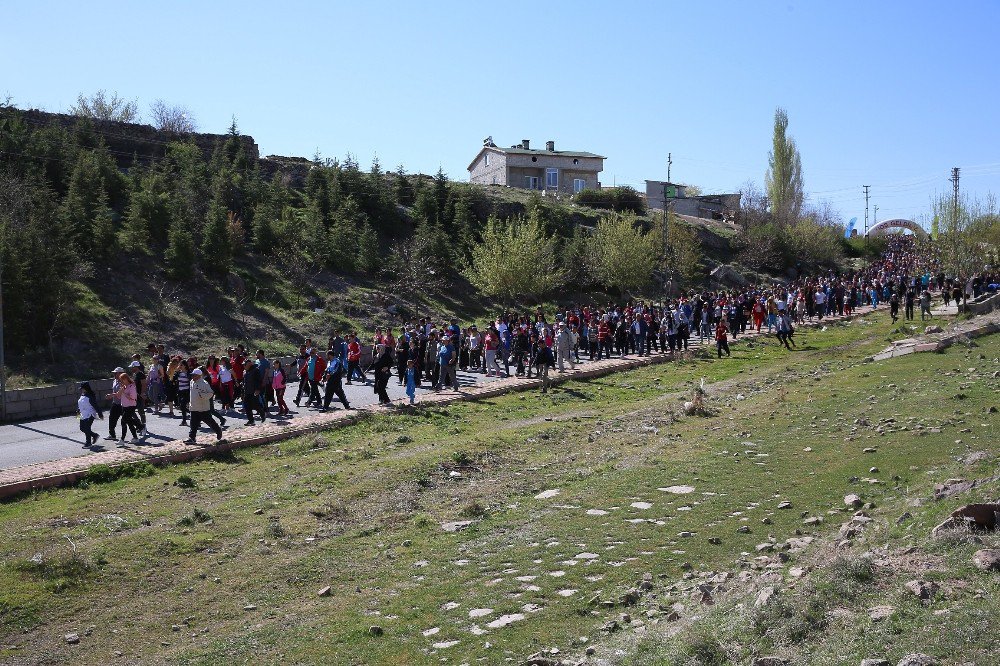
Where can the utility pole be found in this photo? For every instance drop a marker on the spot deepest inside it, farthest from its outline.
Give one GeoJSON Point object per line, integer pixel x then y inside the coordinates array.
{"type": "Point", "coordinates": [867, 187]}
{"type": "Point", "coordinates": [954, 203]}
{"type": "Point", "coordinates": [667, 204]}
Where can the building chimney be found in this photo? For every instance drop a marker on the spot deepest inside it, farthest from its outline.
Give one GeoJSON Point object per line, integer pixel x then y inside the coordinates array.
{"type": "Point", "coordinates": [525, 144]}
{"type": "Point", "coordinates": [550, 146]}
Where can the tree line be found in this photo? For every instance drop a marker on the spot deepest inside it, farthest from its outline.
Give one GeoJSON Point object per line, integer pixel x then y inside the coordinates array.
{"type": "Point", "coordinates": [69, 216]}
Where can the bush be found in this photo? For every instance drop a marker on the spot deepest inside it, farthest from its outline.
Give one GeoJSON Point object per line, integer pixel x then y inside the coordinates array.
{"type": "Point", "coordinates": [107, 474]}
{"type": "Point", "coordinates": [619, 199]}
{"type": "Point", "coordinates": [185, 481]}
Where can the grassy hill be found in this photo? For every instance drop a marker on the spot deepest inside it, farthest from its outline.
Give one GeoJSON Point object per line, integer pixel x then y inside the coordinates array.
{"type": "Point", "coordinates": [594, 515]}
{"type": "Point", "coordinates": [116, 311]}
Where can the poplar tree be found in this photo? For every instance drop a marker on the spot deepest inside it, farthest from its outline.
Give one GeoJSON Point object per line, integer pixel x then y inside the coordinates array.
{"type": "Point", "coordinates": [784, 173]}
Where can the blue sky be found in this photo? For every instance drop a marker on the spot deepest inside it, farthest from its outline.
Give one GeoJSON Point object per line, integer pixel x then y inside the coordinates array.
{"type": "Point", "coordinates": [891, 94]}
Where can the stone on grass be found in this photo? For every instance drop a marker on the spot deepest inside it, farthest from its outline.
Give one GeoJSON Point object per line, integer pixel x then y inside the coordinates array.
{"type": "Point", "coordinates": [72, 639]}
{"type": "Point", "coordinates": [504, 620]}
{"type": "Point", "coordinates": [875, 662]}
{"type": "Point", "coordinates": [547, 494]}
{"type": "Point", "coordinates": [480, 612]}
{"type": "Point", "coordinates": [765, 596]}
{"type": "Point", "coordinates": [922, 589]}
{"type": "Point", "coordinates": [917, 659]}
{"type": "Point", "coordinates": [444, 645]}
{"type": "Point", "coordinates": [324, 592]}
{"type": "Point", "coordinates": [987, 559]}
{"type": "Point", "coordinates": [853, 501]}
{"type": "Point", "coordinates": [456, 526]}
{"type": "Point", "coordinates": [879, 613]}
{"type": "Point", "coordinates": [677, 490]}
{"type": "Point", "coordinates": [641, 505]}
{"type": "Point", "coordinates": [784, 505]}
{"type": "Point", "coordinates": [375, 630]}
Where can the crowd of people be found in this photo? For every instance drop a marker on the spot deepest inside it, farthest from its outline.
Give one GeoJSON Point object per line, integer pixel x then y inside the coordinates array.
{"type": "Point", "coordinates": [425, 353]}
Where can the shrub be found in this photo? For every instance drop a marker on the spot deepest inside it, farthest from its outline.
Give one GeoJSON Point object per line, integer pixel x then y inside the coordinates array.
{"type": "Point", "coordinates": [619, 199]}
{"type": "Point", "coordinates": [107, 474]}
{"type": "Point", "coordinates": [185, 481]}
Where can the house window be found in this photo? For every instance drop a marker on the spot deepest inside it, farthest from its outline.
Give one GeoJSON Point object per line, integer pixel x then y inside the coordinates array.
{"type": "Point", "coordinates": [486, 160]}
{"type": "Point", "coordinates": [531, 182]}
{"type": "Point", "coordinates": [552, 178]}
{"type": "Point", "coordinates": [579, 184]}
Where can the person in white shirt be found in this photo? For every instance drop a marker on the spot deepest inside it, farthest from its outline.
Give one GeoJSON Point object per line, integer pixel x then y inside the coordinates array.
{"type": "Point", "coordinates": [88, 410]}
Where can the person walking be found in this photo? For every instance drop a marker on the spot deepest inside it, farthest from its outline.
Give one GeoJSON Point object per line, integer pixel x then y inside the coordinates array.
{"type": "Point", "coordinates": [128, 394]}
{"type": "Point", "coordinates": [334, 374]}
{"type": "Point", "coordinates": [279, 382]}
{"type": "Point", "coordinates": [564, 348]}
{"type": "Point", "coordinates": [200, 400]}
{"type": "Point", "coordinates": [542, 361]}
{"type": "Point", "coordinates": [88, 410]}
{"type": "Point", "coordinates": [116, 411]}
{"type": "Point", "coordinates": [253, 399]}
{"type": "Point", "coordinates": [411, 380]}
{"type": "Point", "coordinates": [381, 369]}
{"type": "Point", "coordinates": [447, 359]}
{"type": "Point", "coordinates": [721, 338]}
{"type": "Point", "coordinates": [925, 304]}
{"type": "Point", "coordinates": [182, 391]}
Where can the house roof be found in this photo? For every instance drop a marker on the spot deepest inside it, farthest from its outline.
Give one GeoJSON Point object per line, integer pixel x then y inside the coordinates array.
{"type": "Point", "coordinates": [558, 153]}
{"type": "Point", "coordinates": [529, 151]}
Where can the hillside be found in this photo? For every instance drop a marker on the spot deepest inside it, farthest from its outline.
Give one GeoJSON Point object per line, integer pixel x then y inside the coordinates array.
{"type": "Point", "coordinates": [597, 523]}
{"type": "Point", "coordinates": [197, 242]}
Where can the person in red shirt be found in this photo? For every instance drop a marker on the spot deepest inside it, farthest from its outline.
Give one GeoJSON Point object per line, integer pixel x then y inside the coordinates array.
{"type": "Point", "coordinates": [603, 339]}
{"type": "Point", "coordinates": [354, 360]}
{"type": "Point", "coordinates": [721, 340]}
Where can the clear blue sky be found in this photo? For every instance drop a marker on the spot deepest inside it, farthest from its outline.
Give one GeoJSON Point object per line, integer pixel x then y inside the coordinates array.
{"type": "Point", "coordinates": [891, 94]}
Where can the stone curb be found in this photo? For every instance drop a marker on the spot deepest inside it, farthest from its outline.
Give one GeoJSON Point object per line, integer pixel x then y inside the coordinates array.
{"type": "Point", "coordinates": [51, 474]}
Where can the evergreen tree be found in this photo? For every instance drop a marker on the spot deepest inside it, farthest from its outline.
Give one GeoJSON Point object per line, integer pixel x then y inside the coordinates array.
{"type": "Point", "coordinates": [180, 254]}
{"type": "Point", "coordinates": [441, 199]}
{"type": "Point", "coordinates": [85, 209]}
{"type": "Point", "coordinates": [367, 249]}
{"type": "Point", "coordinates": [425, 208]}
{"type": "Point", "coordinates": [216, 240]}
{"type": "Point", "coordinates": [404, 190]}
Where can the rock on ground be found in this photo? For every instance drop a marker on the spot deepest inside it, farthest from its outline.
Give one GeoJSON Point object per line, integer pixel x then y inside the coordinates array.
{"type": "Point", "coordinates": [987, 559]}
{"type": "Point", "coordinates": [917, 659]}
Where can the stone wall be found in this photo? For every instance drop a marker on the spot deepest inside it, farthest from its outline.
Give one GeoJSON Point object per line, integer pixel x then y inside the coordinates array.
{"type": "Point", "coordinates": [982, 305]}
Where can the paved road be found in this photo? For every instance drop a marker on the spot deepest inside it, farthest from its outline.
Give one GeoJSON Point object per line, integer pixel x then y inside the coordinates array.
{"type": "Point", "coordinates": [58, 438]}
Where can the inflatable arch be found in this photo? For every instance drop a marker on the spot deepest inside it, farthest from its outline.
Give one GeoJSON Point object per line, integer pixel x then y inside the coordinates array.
{"type": "Point", "coordinates": [885, 225]}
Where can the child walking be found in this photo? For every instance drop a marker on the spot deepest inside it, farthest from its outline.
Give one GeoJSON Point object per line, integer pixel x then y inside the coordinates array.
{"type": "Point", "coordinates": [411, 379]}
{"type": "Point", "coordinates": [88, 410]}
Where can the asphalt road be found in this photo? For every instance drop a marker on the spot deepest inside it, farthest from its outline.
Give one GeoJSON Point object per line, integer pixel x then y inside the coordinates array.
{"type": "Point", "coordinates": [58, 438]}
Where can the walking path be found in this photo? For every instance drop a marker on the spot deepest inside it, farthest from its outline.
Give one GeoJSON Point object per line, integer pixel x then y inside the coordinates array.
{"type": "Point", "coordinates": [48, 453]}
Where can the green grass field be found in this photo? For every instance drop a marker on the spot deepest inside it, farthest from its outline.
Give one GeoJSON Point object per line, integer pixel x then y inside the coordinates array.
{"type": "Point", "coordinates": [222, 561]}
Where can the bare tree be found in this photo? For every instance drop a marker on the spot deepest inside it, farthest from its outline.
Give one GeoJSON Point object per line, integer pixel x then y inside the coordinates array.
{"type": "Point", "coordinates": [101, 106]}
{"type": "Point", "coordinates": [172, 118]}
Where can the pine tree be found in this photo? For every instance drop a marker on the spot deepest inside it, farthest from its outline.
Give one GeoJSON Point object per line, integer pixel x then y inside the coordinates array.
{"type": "Point", "coordinates": [180, 255]}
{"type": "Point", "coordinates": [216, 241]}
{"type": "Point", "coordinates": [368, 255]}
{"type": "Point", "coordinates": [441, 199]}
